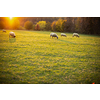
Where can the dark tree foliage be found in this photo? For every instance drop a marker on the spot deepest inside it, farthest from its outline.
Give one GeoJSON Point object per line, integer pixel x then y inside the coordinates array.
{"type": "Point", "coordinates": [2, 25]}
{"type": "Point", "coordinates": [69, 25]}
{"type": "Point", "coordinates": [34, 20]}
{"type": "Point", "coordinates": [33, 27]}
{"type": "Point", "coordinates": [48, 26]}
{"type": "Point", "coordinates": [53, 25]}
{"type": "Point", "coordinates": [37, 27]}
{"type": "Point", "coordinates": [28, 25]}
{"type": "Point", "coordinates": [84, 25]}
{"type": "Point", "coordinates": [89, 25]}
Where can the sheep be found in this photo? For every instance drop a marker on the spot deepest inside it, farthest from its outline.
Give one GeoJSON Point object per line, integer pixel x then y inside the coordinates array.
{"type": "Point", "coordinates": [4, 30]}
{"type": "Point", "coordinates": [63, 34]}
{"type": "Point", "coordinates": [75, 34]}
{"type": "Point", "coordinates": [12, 34]}
{"type": "Point", "coordinates": [53, 35]}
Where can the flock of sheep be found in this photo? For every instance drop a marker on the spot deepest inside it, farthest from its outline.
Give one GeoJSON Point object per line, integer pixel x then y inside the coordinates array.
{"type": "Point", "coordinates": [62, 34]}
{"type": "Point", "coordinates": [51, 34]}
{"type": "Point", "coordinates": [10, 33]}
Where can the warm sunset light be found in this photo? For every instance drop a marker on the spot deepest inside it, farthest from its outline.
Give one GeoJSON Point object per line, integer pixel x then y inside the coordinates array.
{"type": "Point", "coordinates": [10, 17]}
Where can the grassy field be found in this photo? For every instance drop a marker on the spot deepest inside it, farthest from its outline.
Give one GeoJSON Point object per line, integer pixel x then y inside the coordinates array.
{"type": "Point", "coordinates": [33, 57]}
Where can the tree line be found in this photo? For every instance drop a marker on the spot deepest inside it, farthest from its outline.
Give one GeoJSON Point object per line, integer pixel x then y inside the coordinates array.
{"type": "Point", "coordinates": [84, 25]}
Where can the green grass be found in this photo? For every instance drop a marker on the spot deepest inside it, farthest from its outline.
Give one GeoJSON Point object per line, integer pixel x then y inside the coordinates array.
{"type": "Point", "coordinates": [33, 57]}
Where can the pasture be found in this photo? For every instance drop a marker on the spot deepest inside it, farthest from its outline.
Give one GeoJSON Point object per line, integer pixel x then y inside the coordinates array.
{"type": "Point", "coordinates": [35, 58]}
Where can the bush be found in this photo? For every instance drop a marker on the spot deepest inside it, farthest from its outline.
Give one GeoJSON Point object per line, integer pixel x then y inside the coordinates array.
{"type": "Point", "coordinates": [42, 25]}
{"type": "Point", "coordinates": [28, 25]}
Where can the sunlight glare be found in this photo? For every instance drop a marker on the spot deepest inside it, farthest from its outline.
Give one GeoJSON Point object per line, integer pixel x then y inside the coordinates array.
{"type": "Point", "coordinates": [10, 17]}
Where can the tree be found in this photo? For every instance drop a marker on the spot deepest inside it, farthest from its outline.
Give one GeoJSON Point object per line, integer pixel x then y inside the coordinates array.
{"type": "Point", "coordinates": [28, 25]}
{"type": "Point", "coordinates": [63, 26]}
{"type": "Point", "coordinates": [87, 26]}
{"type": "Point", "coordinates": [96, 25]}
{"type": "Point", "coordinates": [2, 24]}
{"type": "Point", "coordinates": [42, 25]}
{"type": "Point", "coordinates": [78, 25]}
{"type": "Point", "coordinates": [48, 26]}
{"type": "Point", "coordinates": [37, 27]}
{"type": "Point", "coordinates": [69, 24]}
{"type": "Point", "coordinates": [33, 27]}
{"type": "Point", "coordinates": [59, 25]}
{"type": "Point", "coordinates": [53, 26]}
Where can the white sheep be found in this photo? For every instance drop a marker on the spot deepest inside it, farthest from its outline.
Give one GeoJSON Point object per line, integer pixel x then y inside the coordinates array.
{"type": "Point", "coordinates": [4, 30]}
{"type": "Point", "coordinates": [12, 34]}
{"type": "Point", "coordinates": [63, 34]}
{"type": "Point", "coordinates": [75, 34]}
{"type": "Point", "coordinates": [53, 35]}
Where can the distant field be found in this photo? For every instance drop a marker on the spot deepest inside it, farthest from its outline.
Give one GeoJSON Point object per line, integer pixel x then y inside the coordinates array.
{"type": "Point", "coordinates": [33, 57]}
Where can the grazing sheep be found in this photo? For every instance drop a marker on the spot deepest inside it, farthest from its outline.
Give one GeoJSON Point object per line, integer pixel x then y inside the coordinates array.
{"type": "Point", "coordinates": [53, 35]}
{"type": "Point", "coordinates": [63, 34]}
{"type": "Point", "coordinates": [4, 30]}
{"type": "Point", "coordinates": [12, 34]}
{"type": "Point", "coordinates": [75, 34]}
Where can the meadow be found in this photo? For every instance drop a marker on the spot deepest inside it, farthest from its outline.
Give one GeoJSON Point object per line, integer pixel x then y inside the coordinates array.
{"type": "Point", "coordinates": [35, 58]}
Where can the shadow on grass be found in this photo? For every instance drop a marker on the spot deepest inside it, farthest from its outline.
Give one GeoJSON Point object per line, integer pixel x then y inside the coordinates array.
{"type": "Point", "coordinates": [66, 41]}
{"type": "Point", "coordinates": [6, 77]}
{"type": "Point", "coordinates": [12, 40]}
{"type": "Point", "coordinates": [11, 80]}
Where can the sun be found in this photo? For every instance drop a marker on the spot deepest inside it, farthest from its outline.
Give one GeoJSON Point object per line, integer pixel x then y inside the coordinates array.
{"type": "Point", "coordinates": [10, 17]}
